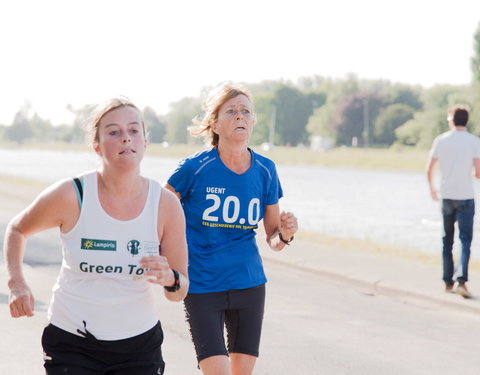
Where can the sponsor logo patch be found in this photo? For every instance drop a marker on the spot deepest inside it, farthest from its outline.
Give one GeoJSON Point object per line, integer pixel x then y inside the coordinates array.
{"type": "Point", "coordinates": [93, 244]}
{"type": "Point", "coordinates": [133, 247]}
{"type": "Point", "coordinates": [142, 248]}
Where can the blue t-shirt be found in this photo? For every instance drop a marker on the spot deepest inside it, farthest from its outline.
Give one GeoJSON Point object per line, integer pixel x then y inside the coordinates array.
{"type": "Point", "coordinates": [222, 210]}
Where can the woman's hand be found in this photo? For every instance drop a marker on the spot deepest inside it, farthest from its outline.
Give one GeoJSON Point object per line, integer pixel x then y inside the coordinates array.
{"type": "Point", "coordinates": [158, 270]}
{"type": "Point", "coordinates": [21, 301]}
{"type": "Point", "coordinates": [288, 225]}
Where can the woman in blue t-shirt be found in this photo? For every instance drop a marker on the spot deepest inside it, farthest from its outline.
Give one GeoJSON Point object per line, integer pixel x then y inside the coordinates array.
{"type": "Point", "coordinates": [225, 192]}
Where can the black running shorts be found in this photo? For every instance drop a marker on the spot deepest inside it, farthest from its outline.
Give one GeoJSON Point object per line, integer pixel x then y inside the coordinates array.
{"type": "Point", "coordinates": [239, 311]}
{"type": "Point", "coordinates": [66, 353]}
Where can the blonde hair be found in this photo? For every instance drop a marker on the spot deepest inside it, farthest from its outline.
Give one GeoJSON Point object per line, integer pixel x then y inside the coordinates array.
{"type": "Point", "coordinates": [215, 99]}
{"type": "Point", "coordinates": [101, 110]}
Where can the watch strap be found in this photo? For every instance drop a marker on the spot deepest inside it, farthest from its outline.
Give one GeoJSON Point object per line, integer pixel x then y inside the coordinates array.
{"type": "Point", "coordinates": [286, 242]}
{"type": "Point", "coordinates": [176, 284]}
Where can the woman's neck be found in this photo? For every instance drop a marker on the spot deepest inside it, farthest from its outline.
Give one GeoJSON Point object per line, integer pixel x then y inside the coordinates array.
{"type": "Point", "coordinates": [120, 183]}
{"type": "Point", "coordinates": [122, 195]}
{"type": "Point", "coordinates": [237, 159]}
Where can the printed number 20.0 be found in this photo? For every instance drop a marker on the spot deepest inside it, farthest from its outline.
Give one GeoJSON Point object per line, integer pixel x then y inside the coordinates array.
{"type": "Point", "coordinates": [253, 209]}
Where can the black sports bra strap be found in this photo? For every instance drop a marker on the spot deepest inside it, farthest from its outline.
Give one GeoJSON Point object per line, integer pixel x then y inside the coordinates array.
{"type": "Point", "coordinates": [79, 188]}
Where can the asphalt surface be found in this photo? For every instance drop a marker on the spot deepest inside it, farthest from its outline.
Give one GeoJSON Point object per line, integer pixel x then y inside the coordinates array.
{"type": "Point", "coordinates": [20, 349]}
{"type": "Point", "coordinates": [379, 273]}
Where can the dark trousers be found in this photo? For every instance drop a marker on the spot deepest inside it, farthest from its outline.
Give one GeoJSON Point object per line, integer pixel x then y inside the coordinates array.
{"type": "Point", "coordinates": [462, 212]}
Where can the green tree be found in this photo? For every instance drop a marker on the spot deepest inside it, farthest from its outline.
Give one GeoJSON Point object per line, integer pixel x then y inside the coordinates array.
{"type": "Point", "coordinates": [64, 133]}
{"type": "Point", "coordinates": [312, 83]}
{"type": "Point", "coordinates": [319, 123]}
{"type": "Point", "coordinates": [179, 119]}
{"type": "Point", "coordinates": [389, 119]}
{"type": "Point", "coordinates": [323, 120]}
{"type": "Point", "coordinates": [21, 129]}
{"type": "Point", "coordinates": [355, 114]}
{"type": "Point", "coordinates": [475, 66]}
{"type": "Point", "coordinates": [410, 133]}
{"type": "Point", "coordinates": [42, 129]}
{"type": "Point", "coordinates": [79, 128]}
{"type": "Point", "coordinates": [155, 126]}
{"type": "Point", "coordinates": [429, 123]}
{"type": "Point", "coordinates": [442, 97]}
{"type": "Point", "coordinates": [3, 128]}
{"type": "Point", "coordinates": [263, 104]}
{"type": "Point", "coordinates": [422, 129]}
{"type": "Point", "coordinates": [475, 62]}
{"type": "Point", "coordinates": [403, 94]}
{"type": "Point", "coordinates": [292, 112]}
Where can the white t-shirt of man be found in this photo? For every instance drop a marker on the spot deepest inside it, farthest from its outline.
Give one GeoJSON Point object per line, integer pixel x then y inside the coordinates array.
{"type": "Point", "coordinates": [456, 151]}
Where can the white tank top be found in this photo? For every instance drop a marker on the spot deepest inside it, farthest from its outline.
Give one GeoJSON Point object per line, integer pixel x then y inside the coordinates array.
{"type": "Point", "coordinates": [100, 282]}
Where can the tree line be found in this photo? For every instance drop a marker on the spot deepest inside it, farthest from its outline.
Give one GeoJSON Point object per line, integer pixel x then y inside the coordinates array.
{"type": "Point", "coordinates": [349, 111]}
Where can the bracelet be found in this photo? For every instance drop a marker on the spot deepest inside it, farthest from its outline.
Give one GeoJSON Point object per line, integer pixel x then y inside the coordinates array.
{"type": "Point", "coordinates": [176, 284]}
{"type": "Point", "coordinates": [286, 242]}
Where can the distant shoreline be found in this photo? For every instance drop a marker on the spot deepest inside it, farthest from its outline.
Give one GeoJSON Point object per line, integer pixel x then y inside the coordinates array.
{"type": "Point", "coordinates": [393, 158]}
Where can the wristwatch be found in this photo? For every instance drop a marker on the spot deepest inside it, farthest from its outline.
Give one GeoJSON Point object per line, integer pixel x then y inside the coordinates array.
{"type": "Point", "coordinates": [176, 284]}
{"type": "Point", "coordinates": [286, 242]}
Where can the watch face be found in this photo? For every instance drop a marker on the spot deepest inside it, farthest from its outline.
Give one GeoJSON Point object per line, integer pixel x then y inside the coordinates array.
{"type": "Point", "coordinates": [176, 285]}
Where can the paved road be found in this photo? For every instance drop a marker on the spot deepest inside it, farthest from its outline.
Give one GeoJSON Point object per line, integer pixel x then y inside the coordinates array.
{"type": "Point", "coordinates": [329, 311]}
{"type": "Point", "coordinates": [313, 325]}
{"type": "Point", "coordinates": [316, 325]}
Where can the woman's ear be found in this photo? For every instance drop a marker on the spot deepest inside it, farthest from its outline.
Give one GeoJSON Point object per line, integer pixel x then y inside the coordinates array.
{"type": "Point", "coordinates": [214, 127]}
{"type": "Point", "coordinates": [96, 148]}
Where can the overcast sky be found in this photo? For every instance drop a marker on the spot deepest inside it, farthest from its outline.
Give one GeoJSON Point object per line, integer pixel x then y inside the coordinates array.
{"type": "Point", "coordinates": [60, 52]}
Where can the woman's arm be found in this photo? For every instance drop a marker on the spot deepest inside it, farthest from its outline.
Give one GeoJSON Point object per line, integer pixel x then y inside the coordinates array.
{"type": "Point", "coordinates": [173, 245]}
{"type": "Point", "coordinates": [54, 207]}
{"type": "Point", "coordinates": [170, 187]}
{"type": "Point", "coordinates": [276, 223]}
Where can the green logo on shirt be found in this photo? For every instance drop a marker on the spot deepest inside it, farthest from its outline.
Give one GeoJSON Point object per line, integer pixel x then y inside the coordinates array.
{"type": "Point", "coordinates": [91, 244]}
{"type": "Point", "coordinates": [133, 247]}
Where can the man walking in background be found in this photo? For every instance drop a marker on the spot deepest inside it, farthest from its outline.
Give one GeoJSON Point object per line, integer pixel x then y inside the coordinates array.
{"type": "Point", "coordinates": [457, 152]}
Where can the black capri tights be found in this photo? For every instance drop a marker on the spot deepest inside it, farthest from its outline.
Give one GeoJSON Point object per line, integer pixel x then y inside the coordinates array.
{"type": "Point", "coordinates": [239, 311]}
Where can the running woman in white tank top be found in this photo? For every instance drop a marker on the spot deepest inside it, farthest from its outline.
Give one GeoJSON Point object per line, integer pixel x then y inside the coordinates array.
{"type": "Point", "coordinates": [121, 233]}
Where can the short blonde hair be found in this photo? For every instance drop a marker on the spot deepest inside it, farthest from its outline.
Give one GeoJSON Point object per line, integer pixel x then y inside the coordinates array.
{"type": "Point", "coordinates": [101, 110]}
{"type": "Point", "coordinates": [215, 99]}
